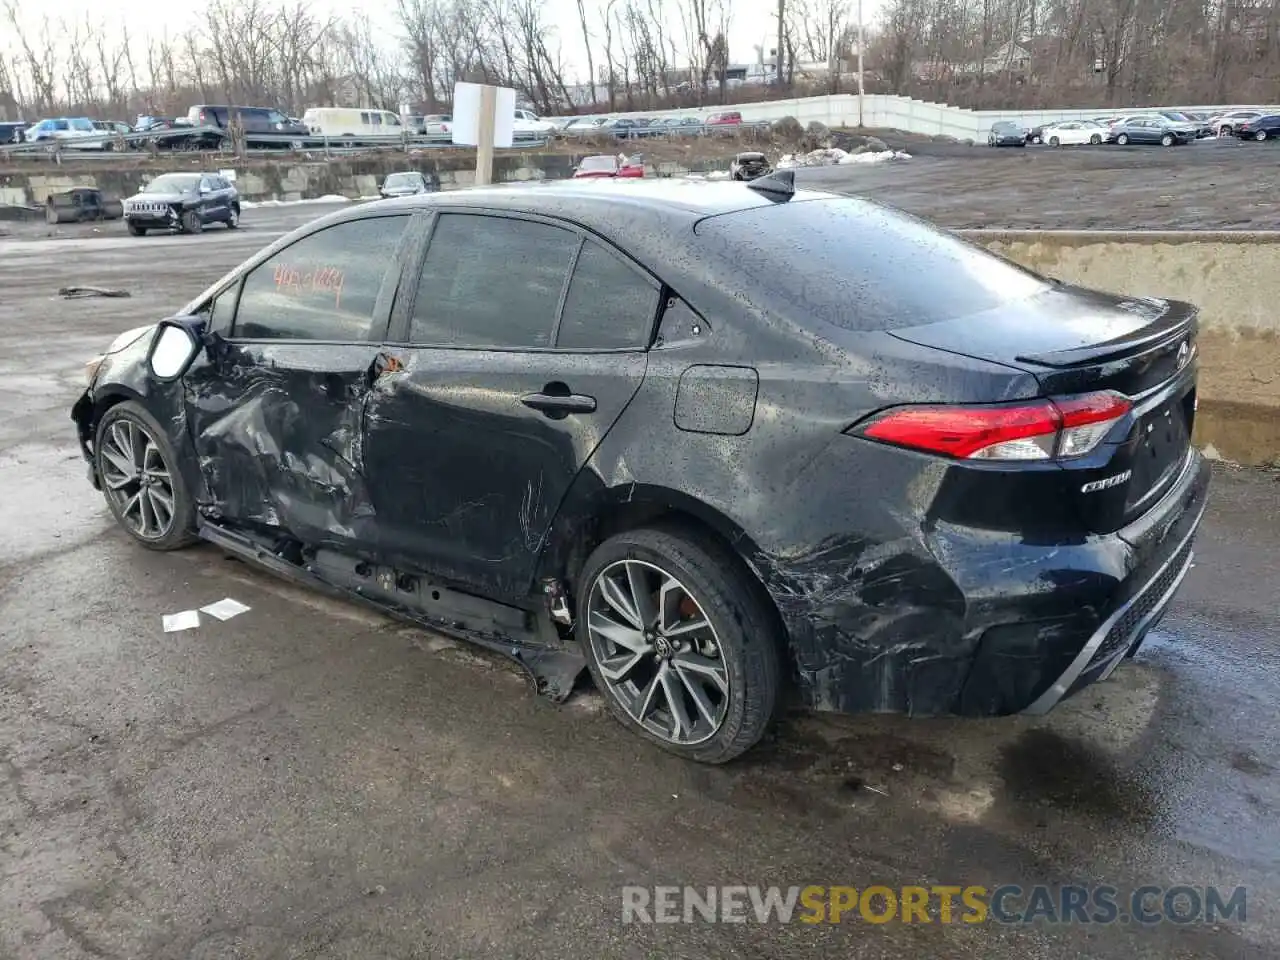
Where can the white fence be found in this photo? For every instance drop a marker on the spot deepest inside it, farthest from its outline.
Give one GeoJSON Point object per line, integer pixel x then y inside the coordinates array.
{"type": "Point", "coordinates": [900, 113]}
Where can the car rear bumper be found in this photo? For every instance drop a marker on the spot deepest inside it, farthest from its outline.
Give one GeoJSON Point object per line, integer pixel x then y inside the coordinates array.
{"type": "Point", "coordinates": [946, 618]}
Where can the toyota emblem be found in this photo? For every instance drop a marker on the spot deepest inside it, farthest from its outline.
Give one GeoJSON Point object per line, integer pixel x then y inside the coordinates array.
{"type": "Point", "coordinates": [1184, 354]}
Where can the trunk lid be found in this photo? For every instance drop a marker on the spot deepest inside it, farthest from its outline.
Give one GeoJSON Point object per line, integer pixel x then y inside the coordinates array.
{"type": "Point", "coordinates": [1074, 341]}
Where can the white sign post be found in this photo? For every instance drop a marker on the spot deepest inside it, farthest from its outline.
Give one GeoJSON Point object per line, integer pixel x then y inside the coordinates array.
{"type": "Point", "coordinates": [483, 117]}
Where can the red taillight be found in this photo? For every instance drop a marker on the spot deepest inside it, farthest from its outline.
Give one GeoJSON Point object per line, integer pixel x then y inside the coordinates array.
{"type": "Point", "coordinates": [1036, 430]}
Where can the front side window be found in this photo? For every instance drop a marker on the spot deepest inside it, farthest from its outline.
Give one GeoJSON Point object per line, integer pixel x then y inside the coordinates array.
{"type": "Point", "coordinates": [491, 281]}
{"type": "Point", "coordinates": [324, 287]}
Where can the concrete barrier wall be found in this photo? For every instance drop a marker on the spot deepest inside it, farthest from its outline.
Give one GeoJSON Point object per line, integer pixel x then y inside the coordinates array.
{"type": "Point", "coordinates": [1235, 280]}
{"type": "Point", "coordinates": [887, 112]}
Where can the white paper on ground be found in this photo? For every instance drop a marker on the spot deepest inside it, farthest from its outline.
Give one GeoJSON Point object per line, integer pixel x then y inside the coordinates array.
{"type": "Point", "coordinates": [225, 609]}
{"type": "Point", "coordinates": [186, 620]}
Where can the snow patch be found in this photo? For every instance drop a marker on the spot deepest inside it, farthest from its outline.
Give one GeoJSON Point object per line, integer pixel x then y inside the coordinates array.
{"type": "Point", "coordinates": [834, 156]}
{"type": "Point", "coordinates": [327, 198]}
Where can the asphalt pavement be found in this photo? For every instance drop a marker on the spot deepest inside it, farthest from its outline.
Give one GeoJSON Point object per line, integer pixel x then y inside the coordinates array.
{"type": "Point", "coordinates": [312, 780]}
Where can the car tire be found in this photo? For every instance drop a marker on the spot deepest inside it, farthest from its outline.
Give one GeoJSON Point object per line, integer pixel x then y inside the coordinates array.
{"type": "Point", "coordinates": [733, 662]}
{"type": "Point", "coordinates": [1122, 139]}
{"type": "Point", "coordinates": [1260, 135]}
{"type": "Point", "coordinates": [1168, 140]}
{"type": "Point", "coordinates": [191, 222]}
{"type": "Point", "coordinates": [1055, 142]}
{"type": "Point", "coordinates": [127, 435]}
{"type": "Point", "coordinates": [233, 218]}
{"type": "Point", "coordinates": [136, 229]}
{"type": "Point", "coordinates": [1095, 140]}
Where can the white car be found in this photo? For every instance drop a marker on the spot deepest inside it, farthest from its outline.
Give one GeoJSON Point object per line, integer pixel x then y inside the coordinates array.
{"type": "Point", "coordinates": [1073, 133]}
{"type": "Point", "coordinates": [528, 122]}
{"type": "Point", "coordinates": [1225, 125]}
{"type": "Point", "coordinates": [74, 133]}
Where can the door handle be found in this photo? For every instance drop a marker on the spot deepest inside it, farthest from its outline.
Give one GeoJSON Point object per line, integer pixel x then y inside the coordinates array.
{"type": "Point", "coordinates": [556, 404]}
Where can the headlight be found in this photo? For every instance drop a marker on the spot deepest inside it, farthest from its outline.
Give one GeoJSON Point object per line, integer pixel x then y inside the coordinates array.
{"type": "Point", "coordinates": [91, 368]}
{"type": "Point", "coordinates": [128, 337]}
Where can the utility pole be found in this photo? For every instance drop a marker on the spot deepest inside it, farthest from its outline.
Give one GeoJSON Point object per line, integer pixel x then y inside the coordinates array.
{"type": "Point", "coordinates": [860, 40]}
{"type": "Point", "coordinates": [782, 12]}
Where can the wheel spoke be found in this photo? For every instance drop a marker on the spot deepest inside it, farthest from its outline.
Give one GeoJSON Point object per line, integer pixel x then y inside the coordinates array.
{"type": "Point", "coordinates": [618, 599]}
{"type": "Point", "coordinates": [161, 507]}
{"type": "Point", "coordinates": [641, 705]}
{"type": "Point", "coordinates": [669, 596]}
{"type": "Point", "coordinates": [672, 690]}
{"type": "Point", "coordinates": [642, 594]}
{"type": "Point", "coordinates": [132, 504]}
{"type": "Point", "coordinates": [705, 668]}
{"type": "Point", "coordinates": [618, 634]}
{"type": "Point", "coordinates": [119, 460]}
{"type": "Point", "coordinates": [698, 694]}
{"type": "Point", "coordinates": [688, 626]}
{"type": "Point", "coordinates": [617, 667]}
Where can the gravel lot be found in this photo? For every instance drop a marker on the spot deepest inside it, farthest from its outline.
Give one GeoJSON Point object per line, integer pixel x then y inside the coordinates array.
{"type": "Point", "coordinates": [311, 780]}
{"type": "Point", "coordinates": [1209, 185]}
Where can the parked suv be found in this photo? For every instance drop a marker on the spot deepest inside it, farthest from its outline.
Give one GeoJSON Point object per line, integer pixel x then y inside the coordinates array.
{"type": "Point", "coordinates": [254, 120]}
{"type": "Point", "coordinates": [184, 202]}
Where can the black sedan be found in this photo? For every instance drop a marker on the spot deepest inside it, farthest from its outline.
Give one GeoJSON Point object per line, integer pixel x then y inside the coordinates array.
{"type": "Point", "coordinates": [1006, 134]}
{"type": "Point", "coordinates": [721, 445]}
{"type": "Point", "coordinates": [1266, 127]}
{"type": "Point", "coordinates": [1151, 130]}
{"type": "Point", "coordinates": [183, 202]}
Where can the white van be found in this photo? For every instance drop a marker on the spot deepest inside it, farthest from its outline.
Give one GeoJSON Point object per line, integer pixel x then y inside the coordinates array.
{"type": "Point", "coordinates": [351, 122]}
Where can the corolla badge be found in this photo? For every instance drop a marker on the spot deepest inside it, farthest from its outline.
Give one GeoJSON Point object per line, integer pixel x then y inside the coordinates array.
{"type": "Point", "coordinates": [1184, 354]}
{"type": "Point", "coordinates": [1106, 484]}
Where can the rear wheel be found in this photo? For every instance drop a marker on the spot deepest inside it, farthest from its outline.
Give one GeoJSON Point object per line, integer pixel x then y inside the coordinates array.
{"type": "Point", "coordinates": [679, 642]}
{"type": "Point", "coordinates": [138, 471]}
{"type": "Point", "coordinates": [1095, 140]}
{"type": "Point", "coordinates": [1260, 135]}
{"type": "Point", "coordinates": [191, 222]}
{"type": "Point", "coordinates": [1055, 142]}
{"type": "Point", "coordinates": [137, 229]}
{"type": "Point", "coordinates": [233, 218]}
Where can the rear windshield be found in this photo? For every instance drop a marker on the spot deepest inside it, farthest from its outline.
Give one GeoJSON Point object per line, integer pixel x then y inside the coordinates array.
{"type": "Point", "coordinates": [860, 266]}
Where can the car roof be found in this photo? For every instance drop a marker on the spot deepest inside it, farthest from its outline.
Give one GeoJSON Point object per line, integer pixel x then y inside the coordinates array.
{"type": "Point", "coordinates": [624, 211]}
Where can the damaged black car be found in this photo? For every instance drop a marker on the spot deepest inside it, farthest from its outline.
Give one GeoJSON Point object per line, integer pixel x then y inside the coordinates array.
{"type": "Point", "coordinates": [183, 202]}
{"type": "Point", "coordinates": [727, 447]}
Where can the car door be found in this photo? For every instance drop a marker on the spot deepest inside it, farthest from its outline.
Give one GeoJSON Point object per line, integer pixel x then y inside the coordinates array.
{"type": "Point", "coordinates": [522, 342]}
{"type": "Point", "coordinates": [275, 406]}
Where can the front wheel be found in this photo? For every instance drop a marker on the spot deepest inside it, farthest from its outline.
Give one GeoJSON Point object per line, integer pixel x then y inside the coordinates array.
{"type": "Point", "coordinates": [1123, 139]}
{"type": "Point", "coordinates": [137, 469]}
{"type": "Point", "coordinates": [191, 222]}
{"type": "Point", "coordinates": [1055, 142]}
{"type": "Point", "coordinates": [1167, 140]}
{"type": "Point", "coordinates": [233, 218]}
{"type": "Point", "coordinates": [1095, 140]}
{"type": "Point", "coordinates": [680, 643]}
{"type": "Point", "coordinates": [136, 229]}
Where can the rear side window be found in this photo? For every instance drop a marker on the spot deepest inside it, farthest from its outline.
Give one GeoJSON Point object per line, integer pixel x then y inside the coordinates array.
{"type": "Point", "coordinates": [857, 265]}
{"type": "Point", "coordinates": [610, 304]}
{"type": "Point", "coordinates": [324, 287]}
{"type": "Point", "coordinates": [491, 281]}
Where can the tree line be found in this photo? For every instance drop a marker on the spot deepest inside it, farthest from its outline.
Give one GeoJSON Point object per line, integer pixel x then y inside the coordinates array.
{"type": "Point", "coordinates": [643, 54]}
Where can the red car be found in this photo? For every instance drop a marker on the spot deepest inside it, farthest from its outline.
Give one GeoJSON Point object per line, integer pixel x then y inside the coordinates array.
{"type": "Point", "coordinates": [606, 165]}
{"type": "Point", "coordinates": [724, 119]}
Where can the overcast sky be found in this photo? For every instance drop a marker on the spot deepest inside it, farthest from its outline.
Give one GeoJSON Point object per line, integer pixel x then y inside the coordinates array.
{"type": "Point", "coordinates": [752, 21]}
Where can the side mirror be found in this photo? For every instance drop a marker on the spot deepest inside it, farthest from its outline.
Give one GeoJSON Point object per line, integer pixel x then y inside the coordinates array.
{"type": "Point", "coordinates": [173, 349]}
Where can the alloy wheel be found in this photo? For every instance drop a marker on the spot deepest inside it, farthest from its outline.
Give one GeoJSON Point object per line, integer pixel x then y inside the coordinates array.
{"type": "Point", "coordinates": [137, 479]}
{"type": "Point", "coordinates": [658, 652]}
